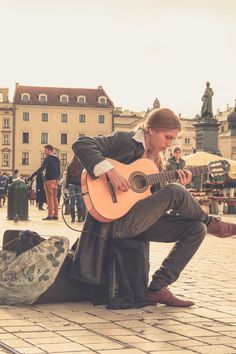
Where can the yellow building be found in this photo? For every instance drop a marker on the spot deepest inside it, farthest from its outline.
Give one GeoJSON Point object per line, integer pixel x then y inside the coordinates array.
{"type": "Point", "coordinates": [56, 116]}
{"type": "Point", "coordinates": [7, 129]}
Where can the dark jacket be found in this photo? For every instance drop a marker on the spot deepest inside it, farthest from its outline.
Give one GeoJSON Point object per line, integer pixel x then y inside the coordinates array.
{"type": "Point", "coordinates": [92, 249]}
{"type": "Point", "coordinates": [51, 165]}
{"type": "Point", "coordinates": [74, 171]}
{"type": "Point", "coordinates": [172, 164]}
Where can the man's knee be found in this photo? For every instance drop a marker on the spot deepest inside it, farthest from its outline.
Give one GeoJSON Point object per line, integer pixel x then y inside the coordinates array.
{"type": "Point", "coordinates": [175, 188]}
{"type": "Point", "coordinates": [198, 230]}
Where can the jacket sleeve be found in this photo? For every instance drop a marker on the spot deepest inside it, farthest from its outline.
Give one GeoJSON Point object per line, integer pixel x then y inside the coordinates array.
{"type": "Point", "coordinates": [39, 170]}
{"type": "Point", "coordinates": [91, 151]}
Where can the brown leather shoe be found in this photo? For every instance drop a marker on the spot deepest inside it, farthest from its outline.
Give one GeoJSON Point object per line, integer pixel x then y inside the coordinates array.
{"type": "Point", "coordinates": [164, 296]}
{"type": "Point", "coordinates": [220, 228]}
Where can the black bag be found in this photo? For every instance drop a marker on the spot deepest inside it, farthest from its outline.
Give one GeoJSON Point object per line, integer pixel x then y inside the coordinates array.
{"type": "Point", "coordinates": [19, 241]}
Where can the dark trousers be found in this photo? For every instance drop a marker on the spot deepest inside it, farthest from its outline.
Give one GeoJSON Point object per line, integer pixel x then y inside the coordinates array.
{"type": "Point", "coordinates": [148, 219]}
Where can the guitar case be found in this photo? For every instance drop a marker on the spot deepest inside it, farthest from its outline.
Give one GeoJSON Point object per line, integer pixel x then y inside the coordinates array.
{"type": "Point", "coordinates": [64, 288]}
{"type": "Point", "coordinates": [125, 282]}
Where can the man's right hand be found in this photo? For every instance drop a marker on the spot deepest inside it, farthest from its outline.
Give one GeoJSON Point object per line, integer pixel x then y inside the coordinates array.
{"type": "Point", "coordinates": [118, 182]}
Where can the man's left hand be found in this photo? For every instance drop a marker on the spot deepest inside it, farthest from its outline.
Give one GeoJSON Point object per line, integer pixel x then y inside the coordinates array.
{"type": "Point", "coordinates": [185, 177]}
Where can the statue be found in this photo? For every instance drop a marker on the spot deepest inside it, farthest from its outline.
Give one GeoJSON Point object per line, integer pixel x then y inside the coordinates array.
{"type": "Point", "coordinates": [156, 104]}
{"type": "Point", "coordinates": [207, 102]}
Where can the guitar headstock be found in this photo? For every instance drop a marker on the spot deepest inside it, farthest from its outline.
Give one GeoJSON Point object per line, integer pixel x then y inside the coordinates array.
{"type": "Point", "coordinates": [218, 168]}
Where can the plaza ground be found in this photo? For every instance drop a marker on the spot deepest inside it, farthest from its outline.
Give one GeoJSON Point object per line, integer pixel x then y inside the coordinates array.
{"type": "Point", "coordinates": [208, 327]}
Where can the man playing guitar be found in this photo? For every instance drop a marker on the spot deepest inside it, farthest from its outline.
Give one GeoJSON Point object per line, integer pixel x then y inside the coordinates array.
{"type": "Point", "coordinates": [148, 218]}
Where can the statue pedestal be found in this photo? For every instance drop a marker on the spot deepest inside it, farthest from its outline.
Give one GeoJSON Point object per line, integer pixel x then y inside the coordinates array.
{"type": "Point", "coordinates": [207, 135]}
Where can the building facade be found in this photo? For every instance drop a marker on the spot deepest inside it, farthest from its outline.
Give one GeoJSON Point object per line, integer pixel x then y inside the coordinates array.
{"type": "Point", "coordinates": [56, 116]}
{"type": "Point", "coordinates": [7, 131]}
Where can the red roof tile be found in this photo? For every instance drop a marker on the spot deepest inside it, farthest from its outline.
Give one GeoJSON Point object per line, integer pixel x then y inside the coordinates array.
{"type": "Point", "coordinates": [54, 93]}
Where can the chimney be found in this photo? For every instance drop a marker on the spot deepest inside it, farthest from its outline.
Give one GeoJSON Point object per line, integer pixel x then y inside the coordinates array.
{"type": "Point", "coordinates": [227, 108]}
{"type": "Point", "coordinates": [100, 87]}
{"type": "Point", "coordinates": [17, 85]}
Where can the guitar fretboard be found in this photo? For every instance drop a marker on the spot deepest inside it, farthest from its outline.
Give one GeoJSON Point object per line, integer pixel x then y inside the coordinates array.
{"type": "Point", "coordinates": [172, 176]}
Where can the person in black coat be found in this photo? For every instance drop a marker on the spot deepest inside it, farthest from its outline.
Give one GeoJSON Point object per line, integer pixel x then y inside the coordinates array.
{"type": "Point", "coordinates": [148, 218]}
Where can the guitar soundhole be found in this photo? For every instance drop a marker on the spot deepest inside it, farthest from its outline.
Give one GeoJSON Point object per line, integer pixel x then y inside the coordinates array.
{"type": "Point", "coordinates": [138, 182]}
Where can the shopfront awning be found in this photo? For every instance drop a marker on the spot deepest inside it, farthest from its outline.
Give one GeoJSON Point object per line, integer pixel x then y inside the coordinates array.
{"type": "Point", "coordinates": [204, 158]}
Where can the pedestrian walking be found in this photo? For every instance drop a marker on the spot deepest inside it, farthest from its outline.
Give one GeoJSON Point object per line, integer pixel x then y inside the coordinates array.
{"type": "Point", "coordinates": [51, 169]}
{"type": "Point", "coordinates": [3, 188]}
{"type": "Point", "coordinates": [73, 183]}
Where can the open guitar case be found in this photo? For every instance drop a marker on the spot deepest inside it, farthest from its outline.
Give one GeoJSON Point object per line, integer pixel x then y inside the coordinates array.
{"type": "Point", "coordinates": [64, 288]}
{"type": "Point", "coordinates": [124, 283]}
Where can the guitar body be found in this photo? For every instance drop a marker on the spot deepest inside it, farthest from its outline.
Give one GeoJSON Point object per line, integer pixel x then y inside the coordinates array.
{"type": "Point", "coordinates": [98, 197]}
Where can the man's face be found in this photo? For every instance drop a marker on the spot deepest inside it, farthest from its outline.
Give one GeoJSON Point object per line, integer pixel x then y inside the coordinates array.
{"type": "Point", "coordinates": [177, 154]}
{"type": "Point", "coordinates": [46, 151]}
{"type": "Point", "coordinates": [161, 140]}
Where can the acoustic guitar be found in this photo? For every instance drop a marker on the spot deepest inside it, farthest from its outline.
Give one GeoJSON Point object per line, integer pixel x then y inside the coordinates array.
{"type": "Point", "coordinates": [106, 204]}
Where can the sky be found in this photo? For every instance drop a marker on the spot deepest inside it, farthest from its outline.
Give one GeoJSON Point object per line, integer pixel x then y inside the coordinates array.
{"type": "Point", "coordinates": [136, 49]}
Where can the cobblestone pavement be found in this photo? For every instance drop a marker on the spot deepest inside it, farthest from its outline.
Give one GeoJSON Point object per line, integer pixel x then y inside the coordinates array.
{"type": "Point", "coordinates": [208, 327]}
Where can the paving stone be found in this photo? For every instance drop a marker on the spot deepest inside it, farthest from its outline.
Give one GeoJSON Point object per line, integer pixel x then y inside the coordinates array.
{"type": "Point", "coordinates": [27, 335]}
{"type": "Point", "coordinates": [218, 340]}
{"type": "Point", "coordinates": [213, 349]}
{"type": "Point", "coordinates": [15, 343]}
{"type": "Point", "coordinates": [131, 339]}
{"type": "Point", "coordinates": [185, 351]}
{"type": "Point", "coordinates": [148, 347]}
{"type": "Point", "coordinates": [58, 348]}
{"type": "Point", "coordinates": [122, 351]}
{"type": "Point", "coordinates": [164, 337]}
{"type": "Point", "coordinates": [105, 346]}
{"type": "Point", "coordinates": [33, 328]}
{"type": "Point", "coordinates": [90, 339]}
{"type": "Point", "coordinates": [48, 340]}
{"type": "Point", "coordinates": [30, 350]}
{"type": "Point", "coordinates": [188, 343]}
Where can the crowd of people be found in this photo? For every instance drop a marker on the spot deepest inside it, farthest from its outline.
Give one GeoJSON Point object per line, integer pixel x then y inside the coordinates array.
{"type": "Point", "coordinates": [48, 188]}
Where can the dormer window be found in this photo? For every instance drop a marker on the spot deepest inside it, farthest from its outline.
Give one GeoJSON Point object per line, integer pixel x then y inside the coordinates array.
{"type": "Point", "coordinates": [43, 98]}
{"type": "Point", "coordinates": [102, 100]}
{"type": "Point", "coordinates": [25, 97]}
{"type": "Point", "coordinates": [81, 99]}
{"type": "Point", "coordinates": [64, 99]}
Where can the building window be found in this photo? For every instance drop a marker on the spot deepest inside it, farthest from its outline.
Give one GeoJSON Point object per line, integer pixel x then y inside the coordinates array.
{"type": "Point", "coordinates": [5, 159]}
{"type": "Point", "coordinates": [82, 118]}
{"type": "Point", "coordinates": [81, 134]}
{"type": "Point", "coordinates": [6, 139]}
{"type": "Point", "coordinates": [81, 99]}
{"type": "Point", "coordinates": [64, 138]}
{"type": "Point", "coordinates": [102, 100]}
{"type": "Point", "coordinates": [63, 159]}
{"type": "Point", "coordinates": [187, 140]}
{"type": "Point", "coordinates": [101, 119]}
{"type": "Point", "coordinates": [6, 123]}
{"type": "Point", "coordinates": [43, 98]}
{"type": "Point", "coordinates": [25, 158]}
{"type": "Point", "coordinates": [64, 117]}
{"type": "Point", "coordinates": [25, 116]}
{"type": "Point", "coordinates": [44, 117]}
{"type": "Point", "coordinates": [64, 99]}
{"type": "Point", "coordinates": [44, 138]}
{"type": "Point", "coordinates": [25, 97]}
{"type": "Point", "coordinates": [25, 138]}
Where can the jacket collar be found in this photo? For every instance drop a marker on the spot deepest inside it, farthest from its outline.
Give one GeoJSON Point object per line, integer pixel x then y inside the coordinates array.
{"type": "Point", "coordinates": [139, 137]}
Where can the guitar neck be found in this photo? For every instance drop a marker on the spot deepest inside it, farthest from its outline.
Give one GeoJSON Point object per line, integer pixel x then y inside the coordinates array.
{"type": "Point", "coordinates": [172, 176]}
